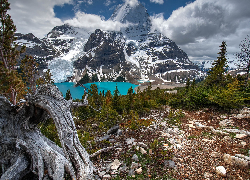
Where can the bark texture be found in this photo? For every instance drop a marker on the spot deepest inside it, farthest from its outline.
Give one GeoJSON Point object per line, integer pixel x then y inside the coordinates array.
{"type": "Point", "coordinates": [23, 149]}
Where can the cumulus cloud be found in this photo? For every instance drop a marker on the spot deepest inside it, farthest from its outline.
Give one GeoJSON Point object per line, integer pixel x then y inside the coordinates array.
{"type": "Point", "coordinates": [90, 22]}
{"type": "Point", "coordinates": [201, 26]}
{"type": "Point", "coordinates": [35, 17]}
{"type": "Point", "coordinates": [157, 1]}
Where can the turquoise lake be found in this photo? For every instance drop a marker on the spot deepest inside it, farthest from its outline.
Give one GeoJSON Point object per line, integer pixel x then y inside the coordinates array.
{"type": "Point", "coordinates": [77, 92]}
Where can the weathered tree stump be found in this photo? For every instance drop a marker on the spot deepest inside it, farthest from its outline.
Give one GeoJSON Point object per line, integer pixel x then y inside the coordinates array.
{"type": "Point", "coordinates": [23, 149]}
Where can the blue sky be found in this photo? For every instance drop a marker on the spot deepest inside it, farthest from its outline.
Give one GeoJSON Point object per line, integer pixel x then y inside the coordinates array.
{"type": "Point", "coordinates": [106, 8]}
{"type": "Point", "coordinates": [197, 26]}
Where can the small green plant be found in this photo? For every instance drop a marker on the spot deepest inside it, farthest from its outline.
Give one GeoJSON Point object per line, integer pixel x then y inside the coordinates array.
{"type": "Point", "coordinates": [232, 135]}
{"type": "Point", "coordinates": [192, 137]}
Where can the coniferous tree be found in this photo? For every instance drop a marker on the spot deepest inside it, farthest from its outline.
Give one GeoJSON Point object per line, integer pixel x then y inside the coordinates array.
{"type": "Point", "coordinates": [29, 69]}
{"type": "Point", "coordinates": [216, 73]}
{"type": "Point", "coordinates": [95, 78]}
{"type": "Point", "coordinates": [68, 95]}
{"type": "Point", "coordinates": [244, 55]}
{"type": "Point", "coordinates": [11, 84]}
{"type": "Point", "coordinates": [45, 79]}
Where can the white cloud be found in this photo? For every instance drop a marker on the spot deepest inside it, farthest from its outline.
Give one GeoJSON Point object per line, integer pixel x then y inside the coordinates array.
{"type": "Point", "coordinates": [91, 22]}
{"type": "Point", "coordinates": [37, 17]}
{"type": "Point", "coordinates": [201, 26]}
{"type": "Point", "coordinates": [107, 2]}
{"type": "Point", "coordinates": [157, 1]}
{"type": "Point", "coordinates": [132, 3]}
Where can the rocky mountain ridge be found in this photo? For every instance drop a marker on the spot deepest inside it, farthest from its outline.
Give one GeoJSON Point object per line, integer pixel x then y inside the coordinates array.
{"type": "Point", "coordinates": [135, 52]}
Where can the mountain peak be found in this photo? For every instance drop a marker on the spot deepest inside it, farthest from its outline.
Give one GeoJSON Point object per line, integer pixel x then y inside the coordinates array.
{"type": "Point", "coordinates": [135, 16]}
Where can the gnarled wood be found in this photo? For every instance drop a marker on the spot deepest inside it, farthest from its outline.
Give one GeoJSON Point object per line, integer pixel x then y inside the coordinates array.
{"type": "Point", "coordinates": [23, 147]}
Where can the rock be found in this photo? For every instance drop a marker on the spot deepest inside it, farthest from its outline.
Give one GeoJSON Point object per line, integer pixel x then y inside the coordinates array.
{"type": "Point", "coordinates": [143, 151]}
{"type": "Point", "coordinates": [215, 154]}
{"type": "Point", "coordinates": [141, 144]}
{"type": "Point", "coordinates": [207, 175]}
{"type": "Point", "coordinates": [131, 172]}
{"type": "Point", "coordinates": [220, 170]}
{"type": "Point", "coordinates": [150, 151]}
{"type": "Point", "coordinates": [130, 141]}
{"type": "Point", "coordinates": [102, 173]}
{"type": "Point", "coordinates": [115, 165]}
{"type": "Point", "coordinates": [123, 168]}
{"type": "Point", "coordinates": [106, 176]}
{"type": "Point", "coordinates": [227, 158]}
{"type": "Point", "coordinates": [112, 140]}
{"type": "Point", "coordinates": [138, 171]}
{"type": "Point", "coordinates": [119, 132]}
{"type": "Point", "coordinates": [106, 137]}
{"type": "Point", "coordinates": [135, 157]}
{"type": "Point", "coordinates": [134, 165]}
{"type": "Point", "coordinates": [243, 143]}
{"type": "Point", "coordinates": [240, 136]}
{"type": "Point", "coordinates": [113, 130]}
{"type": "Point", "coordinates": [169, 163]}
{"type": "Point", "coordinates": [240, 162]}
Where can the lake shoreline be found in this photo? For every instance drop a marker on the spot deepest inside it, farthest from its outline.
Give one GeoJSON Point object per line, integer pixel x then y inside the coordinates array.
{"type": "Point", "coordinates": [161, 86]}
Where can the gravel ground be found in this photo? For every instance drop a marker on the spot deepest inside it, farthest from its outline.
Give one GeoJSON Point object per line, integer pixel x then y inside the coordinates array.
{"type": "Point", "coordinates": [186, 145]}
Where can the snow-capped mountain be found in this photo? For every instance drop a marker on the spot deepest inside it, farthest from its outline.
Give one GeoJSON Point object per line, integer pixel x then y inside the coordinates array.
{"type": "Point", "coordinates": [135, 52]}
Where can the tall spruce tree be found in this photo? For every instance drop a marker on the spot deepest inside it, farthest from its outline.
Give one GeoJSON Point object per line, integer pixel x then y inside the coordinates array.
{"type": "Point", "coordinates": [216, 73]}
{"type": "Point", "coordinates": [11, 83]}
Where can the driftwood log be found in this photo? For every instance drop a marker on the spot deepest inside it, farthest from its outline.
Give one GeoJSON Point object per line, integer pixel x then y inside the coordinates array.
{"type": "Point", "coordinates": [24, 150]}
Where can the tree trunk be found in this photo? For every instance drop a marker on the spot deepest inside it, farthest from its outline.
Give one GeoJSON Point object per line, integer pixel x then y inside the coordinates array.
{"type": "Point", "coordinates": [23, 148]}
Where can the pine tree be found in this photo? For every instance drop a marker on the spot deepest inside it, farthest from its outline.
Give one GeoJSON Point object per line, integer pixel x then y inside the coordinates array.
{"type": "Point", "coordinates": [29, 69]}
{"type": "Point", "coordinates": [68, 95]}
{"type": "Point", "coordinates": [11, 83]}
{"type": "Point", "coordinates": [244, 56]}
{"type": "Point", "coordinates": [45, 79]}
{"type": "Point", "coordinates": [216, 73]}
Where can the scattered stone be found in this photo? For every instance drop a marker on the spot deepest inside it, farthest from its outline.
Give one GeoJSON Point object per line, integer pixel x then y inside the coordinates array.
{"type": "Point", "coordinates": [207, 175]}
{"type": "Point", "coordinates": [215, 154]}
{"type": "Point", "coordinates": [141, 144]}
{"type": "Point", "coordinates": [143, 151]}
{"type": "Point", "coordinates": [123, 168]}
{"type": "Point", "coordinates": [112, 140]}
{"type": "Point", "coordinates": [134, 165]}
{"type": "Point", "coordinates": [102, 173]}
{"type": "Point", "coordinates": [115, 165]}
{"type": "Point", "coordinates": [106, 137]}
{"type": "Point", "coordinates": [169, 163]}
{"type": "Point", "coordinates": [135, 157]}
{"type": "Point", "coordinates": [138, 171]}
{"type": "Point", "coordinates": [119, 132]}
{"type": "Point", "coordinates": [130, 141]}
{"type": "Point", "coordinates": [240, 162]}
{"type": "Point", "coordinates": [240, 136]}
{"type": "Point", "coordinates": [227, 158]}
{"type": "Point", "coordinates": [243, 143]}
{"type": "Point", "coordinates": [113, 130]}
{"type": "Point", "coordinates": [106, 176]}
{"type": "Point", "coordinates": [131, 172]}
{"type": "Point", "coordinates": [150, 151]}
{"type": "Point", "coordinates": [220, 170]}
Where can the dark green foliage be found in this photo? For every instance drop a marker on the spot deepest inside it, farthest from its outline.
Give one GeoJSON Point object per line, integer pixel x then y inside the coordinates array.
{"type": "Point", "coordinates": [216, 75]}
{"type": "Point", "coordinates": [218, 91]}
{"type": "Point", "coordinates": [120, 79]}
{"type": "Point", "coordinates": [11, 83]}
{"type": "Point", "coordinates": [85, 79]}
{"type": "Point", "coordinates": [68, 95]}
{"type": "Point", "coordinates": [48, 129]}
{"type": "Point", "coordinates": [94, 78]}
